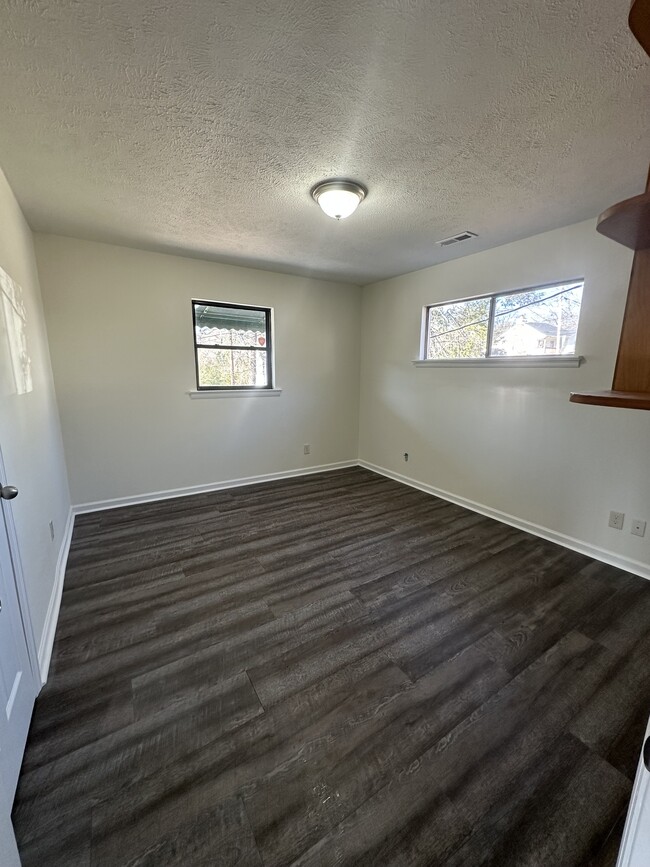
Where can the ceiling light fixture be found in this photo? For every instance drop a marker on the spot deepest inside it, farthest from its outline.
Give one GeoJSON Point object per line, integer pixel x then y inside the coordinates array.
{"type": "Point", "coordinates": [339, 199]}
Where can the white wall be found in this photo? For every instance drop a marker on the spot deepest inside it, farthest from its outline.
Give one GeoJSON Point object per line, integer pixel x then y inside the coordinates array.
{"type": "Point", "coordinates": [509, 439]}
{"type": "Point", "coordinates": [505, 439]}
{"type": "Point", "coordinates": [120, 328]}
{"type": "Point", "coordinates": [30, 436]}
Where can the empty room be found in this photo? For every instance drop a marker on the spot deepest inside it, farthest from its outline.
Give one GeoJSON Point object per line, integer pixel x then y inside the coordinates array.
{"type": "Point", "coordinates": [324, 433]}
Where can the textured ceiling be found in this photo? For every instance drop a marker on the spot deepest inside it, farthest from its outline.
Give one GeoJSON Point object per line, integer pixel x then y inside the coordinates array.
{"type": "Point", "coordinates": [200, 126]}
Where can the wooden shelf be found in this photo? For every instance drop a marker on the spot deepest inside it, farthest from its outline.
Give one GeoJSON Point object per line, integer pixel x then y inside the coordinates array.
{"type": "Point", "coordinates": [621, 399]}
{"type": "Point", "coordinates": [639, 21]}
{"type": "Point", "coordinates": [628, 222]}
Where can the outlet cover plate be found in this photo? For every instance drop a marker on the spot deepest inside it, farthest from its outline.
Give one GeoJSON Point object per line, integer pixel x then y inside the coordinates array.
{"type": "Point", "coordinates": [616, 520]}
{"type": "Point", "coordinates": [638, 527]}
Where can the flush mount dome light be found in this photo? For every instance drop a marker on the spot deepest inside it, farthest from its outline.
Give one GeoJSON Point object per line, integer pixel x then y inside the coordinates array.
{"type": "Point", "coordinates": [339, 199]}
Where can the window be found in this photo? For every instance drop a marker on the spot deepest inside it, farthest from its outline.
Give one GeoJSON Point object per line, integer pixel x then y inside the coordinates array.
{"type": "Point", "coordinates": [232, 346]}
{"type": "Point", "coordinates": [539, 321]}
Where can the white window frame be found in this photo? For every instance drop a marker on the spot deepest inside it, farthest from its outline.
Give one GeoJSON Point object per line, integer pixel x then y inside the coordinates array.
{"type": "Point", "coordinates": [550, 360]}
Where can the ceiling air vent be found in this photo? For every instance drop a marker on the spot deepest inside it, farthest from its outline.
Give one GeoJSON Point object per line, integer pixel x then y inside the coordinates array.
{"type": "Point", "coordinates": [456, 239]}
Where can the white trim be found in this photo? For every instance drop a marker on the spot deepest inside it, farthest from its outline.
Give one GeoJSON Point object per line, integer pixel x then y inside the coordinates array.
{"type": "Point", "coordinates": [52, 616]}
{"type": "Point", "coordinates": [234, 392]}
{"type": "Point", "coordinates": [504, 361]}
{"type": "Point", "coordinates": [622, 562]}
{"type": "Point", "coordinates": [118, 502]}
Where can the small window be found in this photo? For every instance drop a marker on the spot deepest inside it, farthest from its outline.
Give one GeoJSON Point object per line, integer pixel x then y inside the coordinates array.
{"type": "Point", "coordinates": [539, 321]}
{"type": "Point", "coordinates": [232, 346]}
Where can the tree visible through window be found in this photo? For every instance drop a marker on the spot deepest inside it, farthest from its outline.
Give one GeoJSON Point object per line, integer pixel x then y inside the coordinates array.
{"type": "Point", "coordinates": [232, 346]}
{"type": "Point", "coordinates": [540, 321]}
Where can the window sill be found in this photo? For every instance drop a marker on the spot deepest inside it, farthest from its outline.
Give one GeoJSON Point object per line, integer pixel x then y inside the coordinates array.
{"type": "Point", "coordinates": [502, 361]}
{"type": "Point", "coordinates": [235, 392]}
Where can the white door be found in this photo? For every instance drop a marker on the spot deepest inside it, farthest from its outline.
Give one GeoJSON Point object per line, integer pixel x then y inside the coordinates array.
{"type": "Point", "coordinates": [635, 848]}
{"type": "Point", "coordinates": [8, 848]}
{"type": "Point", "coordinates": [17, 688]}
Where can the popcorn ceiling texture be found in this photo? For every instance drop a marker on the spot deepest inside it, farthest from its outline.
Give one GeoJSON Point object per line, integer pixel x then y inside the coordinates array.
{"type": "Point", "coordinates": [199, 127]}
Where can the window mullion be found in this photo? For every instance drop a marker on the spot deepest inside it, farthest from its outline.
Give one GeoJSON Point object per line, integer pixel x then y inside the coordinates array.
{"type": "Point", "coordinates": [223, 346]}
{"type": "Point", "coordinates": [490, 328]}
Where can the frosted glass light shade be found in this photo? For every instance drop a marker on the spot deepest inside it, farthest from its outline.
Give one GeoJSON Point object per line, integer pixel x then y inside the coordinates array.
{"type": "Point", "coordinates": [339, 199]}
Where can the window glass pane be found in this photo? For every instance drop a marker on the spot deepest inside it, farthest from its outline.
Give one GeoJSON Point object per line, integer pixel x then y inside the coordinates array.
{"type": "Point", "coordinates": [232, 367]}
{"type": "Point", "coordinates": [458, 330]}
{"type": "Point", "coordinates": [537, 322]}
{"type": "Point", "coordinates": [229, 326]}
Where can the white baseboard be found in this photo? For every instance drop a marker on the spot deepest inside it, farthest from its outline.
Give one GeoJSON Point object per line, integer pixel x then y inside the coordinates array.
{"type": "Point", "coordinates": [52, 616]}
{"type": "Point", "coordinates": [622, 562]}
{"type": "Point", "coordinates": [101, 505]}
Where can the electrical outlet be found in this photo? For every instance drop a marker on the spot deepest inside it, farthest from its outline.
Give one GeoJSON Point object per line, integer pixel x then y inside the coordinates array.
{"type": "Point", "coordinates": [616, 520]}
{"type": "Point", "coordinates": [638, 527]}
{"type": "Point", "coordinates": [306, 449]}
{"type": "Point", "coordinates": [406, 456]}
{"type": "Point", "coordinates": [52, 530]}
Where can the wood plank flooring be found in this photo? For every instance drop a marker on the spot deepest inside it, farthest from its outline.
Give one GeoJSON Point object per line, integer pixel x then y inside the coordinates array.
{"type": "Point", "coordinates": [333, 670]}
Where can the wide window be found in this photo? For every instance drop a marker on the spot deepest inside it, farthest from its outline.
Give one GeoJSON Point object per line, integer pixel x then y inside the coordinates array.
{"type": "Point", "coordinates": [232, 346]}
{"type": "Point", "coordinates": [528, 322]}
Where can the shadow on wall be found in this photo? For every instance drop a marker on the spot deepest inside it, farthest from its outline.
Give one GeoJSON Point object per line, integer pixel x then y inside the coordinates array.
{"type": "Point", "coordinates": [15, 328]}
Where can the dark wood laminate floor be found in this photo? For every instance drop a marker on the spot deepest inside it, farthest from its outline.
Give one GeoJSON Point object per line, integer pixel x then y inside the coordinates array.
{"type": "Point", "coordinates": [333, 670]}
